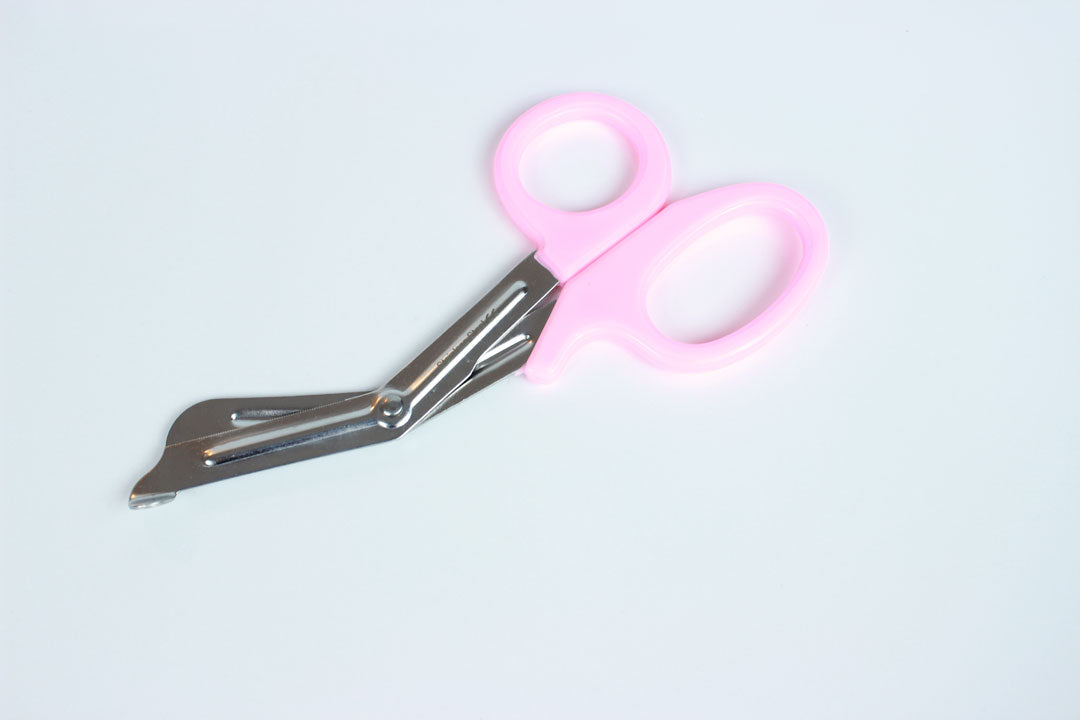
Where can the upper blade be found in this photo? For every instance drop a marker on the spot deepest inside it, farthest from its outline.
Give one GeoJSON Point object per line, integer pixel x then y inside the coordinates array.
{"type": "Point", "coordinates": [210, 417]}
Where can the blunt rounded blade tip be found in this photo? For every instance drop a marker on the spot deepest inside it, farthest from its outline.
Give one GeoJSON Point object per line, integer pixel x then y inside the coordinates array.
{"type": "Point", "coordinates": [149, 500]}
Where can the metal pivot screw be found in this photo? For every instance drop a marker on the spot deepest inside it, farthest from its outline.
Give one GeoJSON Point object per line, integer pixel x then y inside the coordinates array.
{"type": "Point", "coordinates": [391, 410]}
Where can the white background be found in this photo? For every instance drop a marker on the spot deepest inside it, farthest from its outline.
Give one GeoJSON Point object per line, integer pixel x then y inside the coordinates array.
{"type": "Point", "coordinates": [876, 516]}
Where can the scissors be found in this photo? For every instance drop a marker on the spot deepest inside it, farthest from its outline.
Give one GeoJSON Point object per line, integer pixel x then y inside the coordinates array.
{"type": "Point", "coordinates": [587, 280]}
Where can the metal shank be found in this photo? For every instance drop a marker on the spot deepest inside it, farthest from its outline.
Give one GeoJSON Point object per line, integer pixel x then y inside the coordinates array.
{"type": "Point", "coordinates": [490, 341]}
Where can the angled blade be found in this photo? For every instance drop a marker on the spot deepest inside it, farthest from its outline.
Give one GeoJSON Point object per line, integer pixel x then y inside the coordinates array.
{"type": "Point", "coordinates": [488, 342]}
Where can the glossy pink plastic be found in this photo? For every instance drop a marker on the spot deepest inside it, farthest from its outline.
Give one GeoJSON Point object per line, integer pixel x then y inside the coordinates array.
{"type": "Point", "coordinates": [607, 299]}
{"type": "Point", "coordinates": [568, 241]}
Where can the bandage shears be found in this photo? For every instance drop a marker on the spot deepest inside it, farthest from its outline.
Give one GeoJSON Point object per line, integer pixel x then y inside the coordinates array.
{"type": "Point", "coordinates": [587, 280]}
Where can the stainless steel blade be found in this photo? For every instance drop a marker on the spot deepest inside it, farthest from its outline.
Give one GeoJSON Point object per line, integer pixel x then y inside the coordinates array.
{"type": "Point", "coordinates": [489, 341]}
{"type": "Point", "coordinates": [210, 417]}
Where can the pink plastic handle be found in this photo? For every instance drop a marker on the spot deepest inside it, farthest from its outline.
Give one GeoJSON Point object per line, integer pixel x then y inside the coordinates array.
{"type": "Point", "coordinates": [607, 300]}
{"type": "Point", "coordinates": [568, 241]}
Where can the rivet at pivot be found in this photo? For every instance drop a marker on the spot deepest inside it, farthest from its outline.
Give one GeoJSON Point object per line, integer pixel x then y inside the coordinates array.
{"type": "Point", "coordinates": [390, 409]}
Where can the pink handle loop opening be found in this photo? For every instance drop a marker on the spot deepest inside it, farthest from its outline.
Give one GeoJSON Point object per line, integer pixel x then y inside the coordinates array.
{"type": "Point", "coordinates": [568, 241]}
{"type": "Point", "coordinates": [608, 299]}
